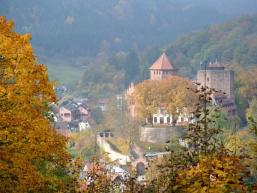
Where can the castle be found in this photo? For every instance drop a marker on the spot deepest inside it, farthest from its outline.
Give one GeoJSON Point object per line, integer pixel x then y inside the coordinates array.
{"type": "Point", "coordinates": [221, 79]}
{"type": "Point", "coordinates": [218, 77]}
{"type": "Point", "coordinates": [214, 76]}
{"type": "Point", "coordinates": [159, 70]}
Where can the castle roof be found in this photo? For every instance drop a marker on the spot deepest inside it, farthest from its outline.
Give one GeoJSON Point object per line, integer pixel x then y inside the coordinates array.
{"type": "Point", "coordinates": [162, 63]}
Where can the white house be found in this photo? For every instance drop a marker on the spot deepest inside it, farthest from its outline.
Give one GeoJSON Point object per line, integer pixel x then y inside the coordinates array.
{"type": "Point", "coordinates": [162, 117]}
{"type": "Point", "coordinates": [83, 126]}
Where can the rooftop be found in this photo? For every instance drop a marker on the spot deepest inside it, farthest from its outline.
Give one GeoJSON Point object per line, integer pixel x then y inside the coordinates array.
{"type": "Point", "coordinates": [162, 63]}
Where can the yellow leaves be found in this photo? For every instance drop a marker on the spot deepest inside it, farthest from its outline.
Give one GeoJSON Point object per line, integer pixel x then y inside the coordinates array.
{"type": "Point", "coordinates": [170, 93]}
{"type": "Point", "coordinates": [4, 25]}
{"type": "Point", "coordinates": [215, 173]}
{"type": "Point", "coordinates": [26, 38]}
{"type": "Point", "coordinates": [27, 139]}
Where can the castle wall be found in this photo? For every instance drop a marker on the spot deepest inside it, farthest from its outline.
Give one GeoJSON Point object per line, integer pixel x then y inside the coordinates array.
{"type": "Point", "coordinates": [154, 135]}
{"type": "Point", "coordinates": [161, 74]}
{"type": "Point", "coordinates": [218, 79]}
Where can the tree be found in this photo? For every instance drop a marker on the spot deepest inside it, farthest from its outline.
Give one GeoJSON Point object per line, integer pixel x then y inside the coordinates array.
{"type": "Point", "coordinates": [251, 113]}
{"type": "Point", "coordinates": [246, 87]}
{"type": "Point", "coordinates": [215, 173]}
{"type": "Point", "coordinates": [170, 93]}
{"type": "Point", "coordinates": [33, 156]}
{"type": "Point", "coordinates": [101, 81]}
{"type": "Point", "coordinates": [212, 165]}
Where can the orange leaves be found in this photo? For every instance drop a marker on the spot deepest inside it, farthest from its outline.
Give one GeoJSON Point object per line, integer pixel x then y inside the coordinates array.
{"type": "Point", "coordinates": [27, 140]}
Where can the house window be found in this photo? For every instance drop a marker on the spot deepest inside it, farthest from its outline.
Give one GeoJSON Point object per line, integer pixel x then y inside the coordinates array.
{"type": "Point", "coordinates": [168, 119]}
{"type": "Point", "coordinates": [208, 79]}
{"type": "Point", "coordinates": [161, 120]}
{"type": "Point", "coordinates": [66, 114]}
{"type": "Point", "coordinates": [155, 119]}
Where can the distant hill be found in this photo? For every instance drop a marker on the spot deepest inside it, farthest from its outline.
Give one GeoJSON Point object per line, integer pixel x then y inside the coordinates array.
{"type": "Point", "coordinates": [69, 28]}
{"type": "Point", "coordinates": [73, 36]}
{"type": "Point", "coordinates": [232, 42]}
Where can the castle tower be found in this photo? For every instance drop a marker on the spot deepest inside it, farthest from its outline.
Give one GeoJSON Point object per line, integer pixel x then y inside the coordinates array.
{"type": "Point", "coordinates": [162, 68]}
{"type": "Point", "coordinates": [217, 77]}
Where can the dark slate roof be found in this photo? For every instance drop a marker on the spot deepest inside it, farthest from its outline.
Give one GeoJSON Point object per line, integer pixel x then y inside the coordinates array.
{"type": "Point", "coordinates": [70, 105]}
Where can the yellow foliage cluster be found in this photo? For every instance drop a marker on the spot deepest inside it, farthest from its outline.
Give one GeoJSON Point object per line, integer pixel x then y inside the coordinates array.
{"type": "Point", "coordinates": [214, 174]}
{"type": "Point", "coordinates": [30, 149]}
{"type": "Point", "coordinates": [170, 93]}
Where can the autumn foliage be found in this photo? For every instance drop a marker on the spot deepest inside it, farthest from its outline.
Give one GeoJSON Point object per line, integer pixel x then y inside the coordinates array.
{"type": "Point", "coordinates": [170, 93]}
{"type": "Point", "coordinates": [32, 155]}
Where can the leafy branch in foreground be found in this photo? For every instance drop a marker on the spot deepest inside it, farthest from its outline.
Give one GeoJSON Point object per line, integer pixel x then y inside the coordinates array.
{"type": "Point", "coordinates": [33, 156]}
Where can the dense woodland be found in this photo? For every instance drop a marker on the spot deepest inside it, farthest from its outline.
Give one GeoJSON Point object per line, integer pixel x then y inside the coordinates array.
{"type": "Point", "coordinates": [69, 35]}
{"type": "Point", "coordinates": [232, 43]}
{"type": "Point", "coordinates": [118, 22]}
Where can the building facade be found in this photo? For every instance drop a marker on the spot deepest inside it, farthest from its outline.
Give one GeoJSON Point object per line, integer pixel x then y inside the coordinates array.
{"type": "Point", "coordinates": [226, 104]}
{"type": "Point", "coordinates": [162, 68]}
{"type": "Point", "coordinates": [218, 77]}
{"type": "Point", "coordinates": [159, 70]}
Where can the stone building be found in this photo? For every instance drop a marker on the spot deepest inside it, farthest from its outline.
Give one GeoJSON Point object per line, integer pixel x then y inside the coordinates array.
{"type": "Point", "coordinates": [218, 77]}
{"type": "Point", "coordinates": [162, 68]}
{"type": "Point", "coordinates": [130, 102]}
{"type": "Point", "coordinates": [225, 103]}
{"type": "Point", "coordinates": [159, 70]}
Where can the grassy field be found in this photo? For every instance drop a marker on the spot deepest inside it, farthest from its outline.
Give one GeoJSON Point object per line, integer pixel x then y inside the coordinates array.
{"type": "Point", "coordinates": [63, 71]}
{"type": "Point", "coordinates": [64, 74]}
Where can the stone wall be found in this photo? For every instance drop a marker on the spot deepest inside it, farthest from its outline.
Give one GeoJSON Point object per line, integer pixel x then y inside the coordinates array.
{"type": "Point", "coordinates": [158, 135]}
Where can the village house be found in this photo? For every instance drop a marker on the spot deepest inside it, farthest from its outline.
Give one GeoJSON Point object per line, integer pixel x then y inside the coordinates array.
{"type": "Point", "coordinates": [70, 111]}
{"type": "Point", "coordinates": [76, 115]}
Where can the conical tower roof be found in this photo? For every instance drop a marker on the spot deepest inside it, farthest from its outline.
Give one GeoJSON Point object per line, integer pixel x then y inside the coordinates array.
{"type": "Point", "coordinates": [162, 63]}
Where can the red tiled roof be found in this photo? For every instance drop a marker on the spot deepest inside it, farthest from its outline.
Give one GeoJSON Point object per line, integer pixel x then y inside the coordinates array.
{"type": "Point", "coordinates": [162, 63]}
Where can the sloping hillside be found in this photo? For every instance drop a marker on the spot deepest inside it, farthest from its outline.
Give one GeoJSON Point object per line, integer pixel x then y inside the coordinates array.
{"type": "Point", "coordinates": [233, 42]}
{"type": "Point", "coordinates": [83, 27]}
